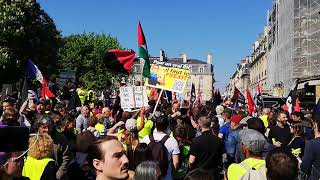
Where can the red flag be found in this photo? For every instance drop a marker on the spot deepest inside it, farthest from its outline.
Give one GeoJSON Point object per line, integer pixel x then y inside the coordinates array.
{"type": "Point", "coordinates": [120, 59]}
{"type": "Point", "coordinates": [297, 105]}
{"type": "Point", "coordinates": [251, 105]}
{"type": "Point", "coordinates": [259, 89]}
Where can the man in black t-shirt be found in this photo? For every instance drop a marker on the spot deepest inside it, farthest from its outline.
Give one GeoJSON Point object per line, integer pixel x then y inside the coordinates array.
{"type": "Point", "coordinates": [206, 150]}
{"type": "Point", "coordinates": [279, 134]}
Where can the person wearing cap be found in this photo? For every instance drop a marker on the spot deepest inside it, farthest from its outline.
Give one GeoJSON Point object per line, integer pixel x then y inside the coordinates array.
{"type": "Point", "coordinates": [233, 148]}
{"type": "Point", "coordinates": [252, 144]}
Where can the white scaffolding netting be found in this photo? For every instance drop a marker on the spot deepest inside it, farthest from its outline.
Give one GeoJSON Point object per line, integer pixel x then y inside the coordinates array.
{"type": "Point", "coordinates": [293, 42]}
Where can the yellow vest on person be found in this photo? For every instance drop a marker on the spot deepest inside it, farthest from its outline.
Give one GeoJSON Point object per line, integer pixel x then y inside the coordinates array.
{"type": "Point", "coordinates": [264, 119]}
{"type": "Point", "coordinates": [100, 127]}
{"type": "Point", "coordinates": [82, 95]}
{"type": "Point", "coordinates": [236, 171]}
{"type": "Point", "coordinates": [93, 95]}
{"type": "Point", "coordinates": [33, 168]}
{"type": "Point", "coordinates": [146, 130]}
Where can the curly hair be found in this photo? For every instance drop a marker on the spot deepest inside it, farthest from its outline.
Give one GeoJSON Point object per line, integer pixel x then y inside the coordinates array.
{"type": "Point", "coordinates": [41, 146]}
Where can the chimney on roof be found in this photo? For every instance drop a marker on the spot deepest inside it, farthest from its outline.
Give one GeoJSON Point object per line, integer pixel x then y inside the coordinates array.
{"type": "Point", "coordinates": [209, 58]}
{"type": "Point", "coordinates": [184, 57]}
{"type": "Point", "coordinates": [162, 55]}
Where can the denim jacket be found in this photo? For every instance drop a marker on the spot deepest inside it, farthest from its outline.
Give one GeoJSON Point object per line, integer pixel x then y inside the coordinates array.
{"type": "Point", "coordinates": [233, 146]}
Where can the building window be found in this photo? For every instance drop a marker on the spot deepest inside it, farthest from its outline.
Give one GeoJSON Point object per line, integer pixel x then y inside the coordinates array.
{"type": "Point", "coordinates": [201, 69]}
{"type": "Point", "coordinates": [265, 72]}
{"type": "Point", "coordinates": [188, 94]}
{"type": "Point", "coordinates": [133, 81]}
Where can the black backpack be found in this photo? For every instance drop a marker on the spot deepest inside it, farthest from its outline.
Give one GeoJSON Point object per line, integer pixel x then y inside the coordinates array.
{"type": "Point", "coordinates": [159, 153]}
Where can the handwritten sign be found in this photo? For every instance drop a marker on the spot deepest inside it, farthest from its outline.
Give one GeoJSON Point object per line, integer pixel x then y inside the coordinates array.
{"type": "Point", "coordinates": [133, 97]}
{"type": "Point", "coordinates": [140, 96]}
{"type": "Point", "coordinates": [127, 98]}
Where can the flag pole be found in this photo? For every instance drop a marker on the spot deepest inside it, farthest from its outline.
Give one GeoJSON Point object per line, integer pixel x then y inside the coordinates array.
{"type": "Point", "coordinates": [154, 110]}
{"type": "Point", "coordinates": [142, 83]}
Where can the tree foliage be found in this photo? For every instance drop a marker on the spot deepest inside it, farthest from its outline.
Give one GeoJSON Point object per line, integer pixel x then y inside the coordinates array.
{"type": "Point", "coordinates": [84, 53]}
{"type": "Point", "coordinates": [26, 31]}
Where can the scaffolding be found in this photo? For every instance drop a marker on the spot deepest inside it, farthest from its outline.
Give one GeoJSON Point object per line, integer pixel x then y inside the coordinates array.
{"type": "Point", "coordinates": [293, 42]}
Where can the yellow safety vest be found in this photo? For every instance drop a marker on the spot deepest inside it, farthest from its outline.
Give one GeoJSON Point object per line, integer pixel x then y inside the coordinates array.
{"type": "Point", "coordinates": [236, 171]}
{"type": "Point", "coordinates": [33, 168]}
{"type": "Point", "coordinates": [93, 95]}
{"type": "Point", "coordinates": [82, 95]}
{"type": "Point", "coordinates": [146, 130]}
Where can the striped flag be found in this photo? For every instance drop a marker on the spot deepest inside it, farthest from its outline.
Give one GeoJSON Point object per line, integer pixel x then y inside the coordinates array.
{"type": "Point", "coordinates": [143, 52]}
{"type": "Point", "coordinates": [33, 72]}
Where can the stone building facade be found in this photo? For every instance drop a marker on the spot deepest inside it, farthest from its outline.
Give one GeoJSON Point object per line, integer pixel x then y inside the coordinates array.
{"type": "Point", "coordinates": [258, 63]}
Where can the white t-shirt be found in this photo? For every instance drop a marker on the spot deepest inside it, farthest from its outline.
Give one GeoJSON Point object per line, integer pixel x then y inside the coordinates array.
{"type": "Point", "coordinates": [172, 146]}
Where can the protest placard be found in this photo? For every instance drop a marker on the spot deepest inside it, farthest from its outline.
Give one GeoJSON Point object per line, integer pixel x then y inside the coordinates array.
{"type": "Point", "coordinates": [140, 96]}
{"type": "Point", "coordinates": [127, 98]}
{"type": "Point", "coordinates": [168, 76]}
{"type": "Point", "coordinates": [131, 97]}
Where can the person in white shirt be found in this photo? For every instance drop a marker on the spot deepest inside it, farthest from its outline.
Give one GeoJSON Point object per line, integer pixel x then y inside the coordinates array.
{"type": "Point", "coordinates": [171, 144]}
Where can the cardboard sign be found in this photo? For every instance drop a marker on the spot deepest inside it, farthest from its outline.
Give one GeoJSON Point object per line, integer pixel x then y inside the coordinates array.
{"type": "Point", "coordinates": [140, 96]}
{"type": "Point", "coordinates": [168, 76]}
{"type": "Point", "coordinates": [131, 97]}
{"type": "Point", "coordinates": [127, 98]}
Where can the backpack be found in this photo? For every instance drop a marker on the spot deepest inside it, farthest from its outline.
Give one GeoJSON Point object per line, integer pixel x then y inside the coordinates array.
{"type": "Point", "coordinates": [252, 173]}
{"type": "Point", "coordinates": [159, 153]}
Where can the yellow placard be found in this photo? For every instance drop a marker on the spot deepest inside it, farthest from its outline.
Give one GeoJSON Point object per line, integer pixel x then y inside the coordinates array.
{"type": "Point", "coordinates": [168, 76]}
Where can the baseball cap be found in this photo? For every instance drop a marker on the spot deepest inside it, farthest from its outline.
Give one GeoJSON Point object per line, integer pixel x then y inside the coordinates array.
{"type": "Point", "coordinates": [131, 125]}
{"type": "Point", "coordinates": [252, 139]}
{"type": "Point", "coordinates": [236, 119]}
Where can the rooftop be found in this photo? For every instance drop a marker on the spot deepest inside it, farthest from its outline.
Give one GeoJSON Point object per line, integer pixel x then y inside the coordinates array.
{"type": "Point", "coordinates": [177, 60]}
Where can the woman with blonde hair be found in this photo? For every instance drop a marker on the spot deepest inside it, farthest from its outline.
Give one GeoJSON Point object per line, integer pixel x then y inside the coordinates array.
{"type": "Point", "coordinates": [39, 164]}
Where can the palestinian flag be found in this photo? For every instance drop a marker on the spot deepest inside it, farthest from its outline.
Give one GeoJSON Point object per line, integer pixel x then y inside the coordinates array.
{"type": "Point", "coordinates": [120, 60]}
{"type": "Point", "coordinates": [143, 52]}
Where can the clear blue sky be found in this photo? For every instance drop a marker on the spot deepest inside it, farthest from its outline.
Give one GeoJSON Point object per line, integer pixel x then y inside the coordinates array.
{"type": "Point", "coordinates": [227, 28]}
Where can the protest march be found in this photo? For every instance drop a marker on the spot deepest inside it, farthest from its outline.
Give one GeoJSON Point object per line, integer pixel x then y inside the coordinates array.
{"type": "Point", "coordinates": [95, 109]}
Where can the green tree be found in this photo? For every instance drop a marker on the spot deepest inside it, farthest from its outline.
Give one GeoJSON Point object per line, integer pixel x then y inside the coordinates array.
{"type": "Point", "coordinates": [26, 31]}
{"type": "Point", "coordinates": [84, 53]}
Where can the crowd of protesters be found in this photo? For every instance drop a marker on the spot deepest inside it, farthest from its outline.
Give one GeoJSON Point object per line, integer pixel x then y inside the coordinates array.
{"type": "Point", "coordinates": [81, 136]}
